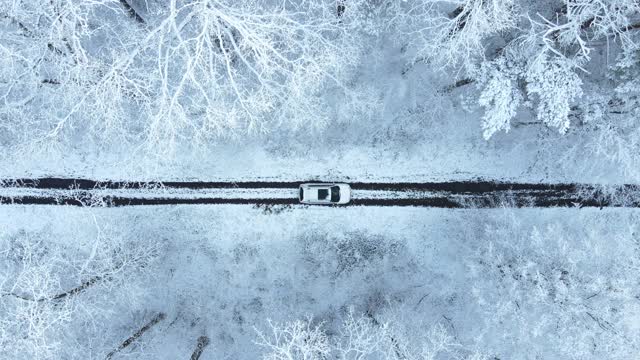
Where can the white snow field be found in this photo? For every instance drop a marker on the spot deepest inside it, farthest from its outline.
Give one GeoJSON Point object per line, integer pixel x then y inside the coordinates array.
{"type": "Point", "coordinates": [516, 284]}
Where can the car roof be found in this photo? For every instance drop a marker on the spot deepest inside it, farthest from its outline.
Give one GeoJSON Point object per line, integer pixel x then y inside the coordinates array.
{"type": "Point", "coordinates": [312, 192]}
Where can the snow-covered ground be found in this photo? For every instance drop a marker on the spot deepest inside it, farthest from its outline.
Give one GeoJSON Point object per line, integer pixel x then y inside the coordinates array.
{"type": "Point", "coordinates": [416, 148]}
{"type": "Point", "coordinates": [505, 283]}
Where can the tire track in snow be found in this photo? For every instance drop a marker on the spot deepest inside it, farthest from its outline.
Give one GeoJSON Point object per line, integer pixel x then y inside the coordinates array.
{"type": "Point", "coordinates": [456, 194]}
{"type": "Point", "coordinates": [456, 187]}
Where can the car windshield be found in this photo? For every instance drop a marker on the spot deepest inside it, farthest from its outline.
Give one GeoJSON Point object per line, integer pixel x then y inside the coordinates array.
{"type": "Point", "coordinates": [335, 193]}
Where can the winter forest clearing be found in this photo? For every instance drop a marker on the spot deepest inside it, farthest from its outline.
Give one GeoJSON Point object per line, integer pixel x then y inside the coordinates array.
{"type": "Point", "coordinates": [403, 99]}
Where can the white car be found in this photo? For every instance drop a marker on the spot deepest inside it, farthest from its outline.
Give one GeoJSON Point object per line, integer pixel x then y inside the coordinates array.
{"type": "Point", "coordinates": [325, 194]}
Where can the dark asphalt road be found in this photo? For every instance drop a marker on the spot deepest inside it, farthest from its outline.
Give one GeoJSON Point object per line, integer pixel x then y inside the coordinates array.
{"type": "Point", "coordinates": [455, 194]}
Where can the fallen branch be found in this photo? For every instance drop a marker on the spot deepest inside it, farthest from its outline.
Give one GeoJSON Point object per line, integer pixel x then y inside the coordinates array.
{"type": "Point", "coordinates": [63, 295]}
{"type": "Point", "coordinates": [341, 7]}
{"type": "Point", "coordinates": [410, 65]}
{"type": "Point", "coordinates": [131, 11]}
{"type": "Point", "coordinates": [78, 289]}
{"type": "Point", "coordinates": [457, 84]}
{"type": "Point", "coordinates": [203, 341]}
{"type": "Point", "coordinates": [25, 30]}
{"type": "Point", "coordinates": [460, 23]}
{"type": "Point", "coordinates": [50, 82]}
{"type": "Point", "coordinates": [137, 334]}
{"type": "Point", "coordinates": [630, 27]}
{"type": "Point", "coordinates": [456, 12]}
{"type": "Point", "coordinates": [420, 301]}
{"type": "Point", "coordinates": [603, 324]}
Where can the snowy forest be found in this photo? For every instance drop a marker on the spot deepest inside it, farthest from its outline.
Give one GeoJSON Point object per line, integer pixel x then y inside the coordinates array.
{"type": "Point", "coordinates": [350, 91]}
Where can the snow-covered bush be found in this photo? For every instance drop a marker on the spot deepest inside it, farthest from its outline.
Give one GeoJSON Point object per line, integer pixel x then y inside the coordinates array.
{"type": "Point", "coordinates": [554, 291]}
{"type": "Point", "coordinates": [360, 337]}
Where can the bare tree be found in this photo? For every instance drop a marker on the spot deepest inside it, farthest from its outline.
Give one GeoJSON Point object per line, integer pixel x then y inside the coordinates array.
{"type": "Point", "coordinates": [191, 69]}
{"type": "Point", "coordinates": [296, 340]}
{"type": "Point", "coordinates": [521, 53]}
{"type": "Point", "coordinates": [47, 289]}
{"type": "Point", "coordinates": [360, 337]}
